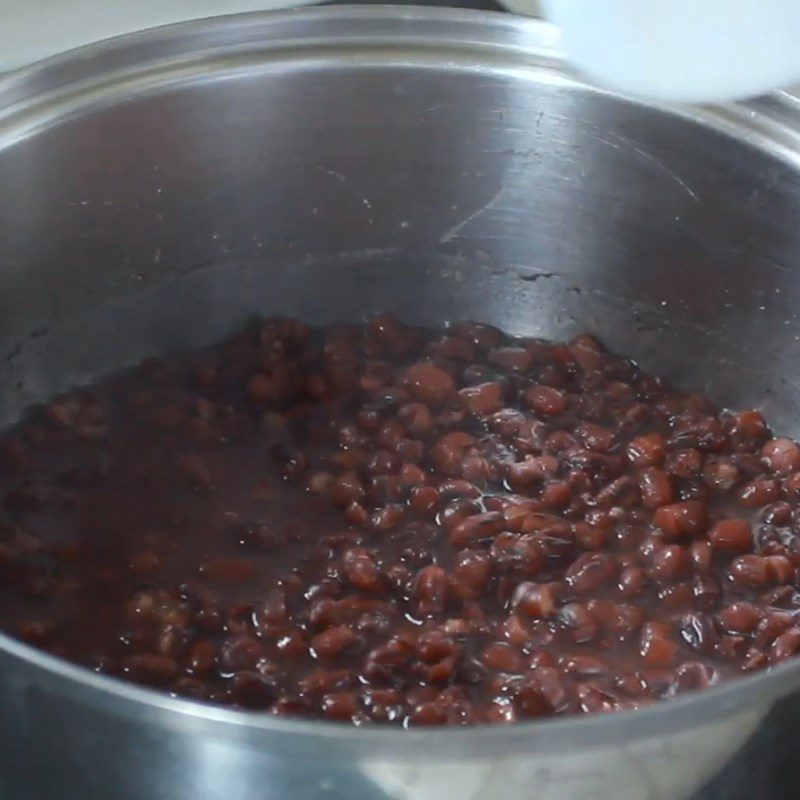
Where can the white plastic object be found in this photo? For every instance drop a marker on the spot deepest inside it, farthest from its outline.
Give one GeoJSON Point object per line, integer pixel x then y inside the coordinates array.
{"type": "Point", "coordinates": [35, 29]}
{"type": "Point", "coordinates": [682, 50]}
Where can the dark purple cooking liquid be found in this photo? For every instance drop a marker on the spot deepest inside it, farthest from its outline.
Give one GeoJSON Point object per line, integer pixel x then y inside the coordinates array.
{"type": "Point", "coordinates": [385, 524]}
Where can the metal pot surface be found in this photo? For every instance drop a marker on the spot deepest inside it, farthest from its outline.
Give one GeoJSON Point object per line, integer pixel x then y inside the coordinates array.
{"type": "Point", "coordinates": [159, 189]}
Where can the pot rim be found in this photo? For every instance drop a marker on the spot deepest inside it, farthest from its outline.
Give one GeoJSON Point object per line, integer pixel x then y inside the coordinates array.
{"type": "Point", "coordinates": [46, 93]}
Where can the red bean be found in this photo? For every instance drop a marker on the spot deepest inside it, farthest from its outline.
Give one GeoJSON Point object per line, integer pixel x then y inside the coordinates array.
{"type": "Point", "coordinates": [534, 600]}
{"type": "Point", "coordinates": [590, 571]}
{"type": "Point", "coordinates": [519, 555]}
{"type": "Point", "coordinates": [758, 492]}
{"type": "Point", "coordinates": [739, 618]}
{"type": "Point", "coordinates": [668, 563]}
{"type": "Point", "coordinates": [474, 530]}
{"type": "Point", "coordinates": [720, 473]}
{"type": "Point", "coordinates": [595, 437]}
{"type": "Point", "coordinates": [456, 487]}
{"type": "Point", "coordinates": [533, 469]}
{"type": "Point", "coordinates": [685, 464]}
{"type": "Point", "coordinates": [530, 701]}
{"type": "Point", "coordinates": [648, 450]}
{"type": "Point", "coordinates": [150, 668]}
{"type": "Point", "coordinates": [780, 569]}
{"type": "Point", "coordinates": [435, 645]}
{"type": "Point", "coordinates": [657, 647]}
{"type": "Point", "coordinates": [239, 653]}
{"type": "Point", "coordinates": [749, 570]}
{"type": "Point", "coordinates": [347, 488]}
{"type": "Point", "coordinates": [416, 418]}
{"type": "Point", "coordinates": [748, 426]}
{"type": "Point", "coordinates": [781, 456]}
{"type": "Point", "coordinates": [362, 571]}
{"type": "Point", "coordinates": [410, 528]}
{"type": "Point", "coordinates": [334, 641]}
{"type": "Point", "coordinates": [412, 475]}
{"type": "Point", "coordinates": [579, 622]}
{"type": "Point", "coordinates": [471, 573]}
{"type": "Point", "coordinates": [707, 591]}
{"type": "Point", "coordinates": [681, 520]}
{"type": "Point", "coordinates": [252, 690]}
{"type": "Point", "coordinates": [431, 589]}
{"type": "Point", "coordinates": [425, 499]}
{"type": "Point", "coordinates": [428, 383]}
{"type": "Point", "coordinates": [202, 657]}
{"type": "Point", "coordinates": [340, 705]}
{"type": "Point", "coordinates": [231, 569]}
{"type": "Point", "coordinates": [546, 401]}
{"type": "Point", "coordinates": [594, 700]}
{"type": "Point", "coordinates": [356, 514]}
{"type": "Point", "coordinates": [514, 359]}
{"type": "Point", "coordinates": [503, 658]}
{"type": "Point", "coordinates": [632, 581]}
{"type": "Point", "coordinates": [785, 646]}
{"type": "Point", "coordinates": [450, 450]}
{"type": "Point", "coordinates": [731, 536]}
{"type": "Point", "coordinates": [387, 517]}
{"type": "Point", "coordinates": [556, 494]}
{"type": "Point", "coordinates": [699, 633]}
{"type": "Point", "coordinates": [656, 487]}
{"type": "Point", "coordinates": [590, 537]}
{"type": "Point", "coordinates": [428, 714]}
{"type": "Point", "coordinates": [700, 555]}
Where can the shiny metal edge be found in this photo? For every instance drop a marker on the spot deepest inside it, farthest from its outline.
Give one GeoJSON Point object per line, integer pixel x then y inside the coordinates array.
{"type": "Point", "coordinates": [48, 92]}
{"type": "Point", "coordinates": [42, 94]}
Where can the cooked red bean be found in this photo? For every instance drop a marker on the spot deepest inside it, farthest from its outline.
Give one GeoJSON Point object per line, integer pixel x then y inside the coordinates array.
{"type": "Point", "coordinates": [749, 570]}
{"type": "Point", "coordinates": [657, 647]}
{"type": "Point", "coordinates": [425, 499]}
{"type": "Point", "coordinates": [471, 573]}
{"type": "Point", "coordinates": [781, 456]}
{"type": "Point", "coordinates": [681, 519]}
{"type": "Point", "coordinates": [429, 383]}
{"type": "Point", "coordinates": [546, 400]}
{"type": "Point", "coordinates": [731, 536]}
{"type": "Point", "coordinates": [720, 473]}
{"type": "Point", "coordinates": [578, 621]}
{"type": "Point", "coordinates": [590, 571]}
{"type": "Point", "coordinates": [739, 617]}
{"type": "Point", "coordinates": [380, 524]}
{"type": "Point", "coordinates": [656, 487]}
{"type": "Point", "coordinates": [594, 437]}
{"type": "Point", "coordinates": [476, 529]}
{"type": "Point", "coordinates": [485, 398]}
{"type": "Point", "coordinates": [759, 491]}
{"type": "Point", "coordinates": [648, 450]}
{"type": "Point", "coordinates": [668, 563]}
{"type": "Point", "coordinates": [780, 569]}
{"type": "Point", "coordinates": [239, 653]}
{"type": "Point", "coordinates": [503, 658]}
{"type": "Point", "coordinates": [340, 705]}
{"type": "Point", "coordinates": [334, 641]}
{"type": "Point", "coordinates": [431, 589]}
{"type": "Point", "coordinates": [515, 359]}
{"type": "Point", "coordinates": [534, 600]}
{"type": "Point", "coordinates": [785, 645]}
{"type": "Point", "coordinates": [685, 464]}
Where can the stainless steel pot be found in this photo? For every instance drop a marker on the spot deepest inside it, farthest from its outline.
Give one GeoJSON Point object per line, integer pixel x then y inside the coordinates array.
{"type": "Point", "coordinates": [160, 188]}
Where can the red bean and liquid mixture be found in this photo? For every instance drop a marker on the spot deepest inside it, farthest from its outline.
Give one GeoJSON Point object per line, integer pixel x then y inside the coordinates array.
{"type": "Point", "coordinates": [383, 524]}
